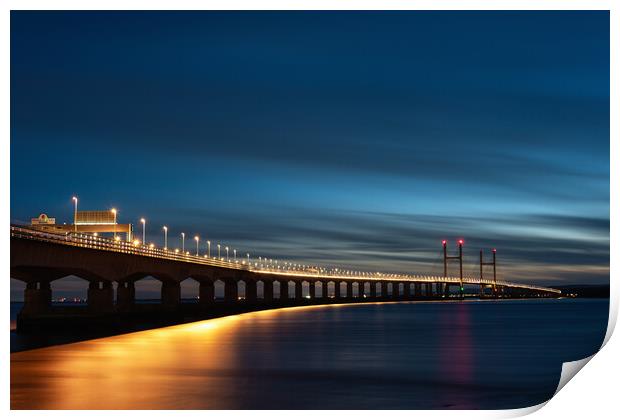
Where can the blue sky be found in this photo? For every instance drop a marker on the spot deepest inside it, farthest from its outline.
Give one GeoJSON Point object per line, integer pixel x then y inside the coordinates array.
{"type": "Point", "coordinates": [359, 139]}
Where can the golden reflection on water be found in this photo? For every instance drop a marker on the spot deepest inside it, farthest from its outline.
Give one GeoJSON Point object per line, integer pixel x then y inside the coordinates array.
{"type": "Point", "coordinates": [138, 370]}
{"type": "Point", "coordinates": [167, 368]}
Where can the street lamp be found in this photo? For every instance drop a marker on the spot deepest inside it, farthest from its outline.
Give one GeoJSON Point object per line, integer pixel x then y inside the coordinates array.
{"type": "Point", "coordinates": [143, 230]}
{"type": "Point", "coordinates": [75, 201]}
{"type": "Point", "coordinates": [227, 259]}
{"type": "Point", "coordinates": [248, 256]}
{"type": "Point", "coordinates": [197, 239]}
{"type": "Point", "coordinates": [235, 254]}
{"type": "Point", "coordinates": [209, 249]}
{"type": "Point", "coordinates": [165, 238]}
{"type": "Point", "coordinates": [183, 241]}
{"type": "Point", "coordinates": [219, 257]}
{"type": "Point", "coordinates": [114, 213]}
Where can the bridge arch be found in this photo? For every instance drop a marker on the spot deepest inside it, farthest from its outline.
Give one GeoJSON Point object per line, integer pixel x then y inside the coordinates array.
{"type": "Point", "coordinates": [305, 288]}
{"type": "Point", "coordinates": [218, 288]}
{"type": "Point", "coordinates": [147, 289]}
{"type": "Point", "coordinates": [318, 289]}
{"type": "Point", "coordinates": [242, 288]}
{"type": "Point", "coordinates": [260, 289]}
{"type": "Point", "coordinates": [277, 288]}
{"type": "Point", "coordinates": [190, 289]}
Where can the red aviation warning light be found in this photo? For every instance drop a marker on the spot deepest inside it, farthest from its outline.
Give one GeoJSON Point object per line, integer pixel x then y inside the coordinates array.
{"type": "Point", "coordinates": [461, 242]}
{"type": "Point", "coordinates": [443, 242]}
{"type": "Point", "coordinates": [494, 250]}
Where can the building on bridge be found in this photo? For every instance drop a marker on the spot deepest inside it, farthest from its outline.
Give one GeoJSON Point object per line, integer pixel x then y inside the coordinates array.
{"type": "Point", "coordinates": [95, 222]}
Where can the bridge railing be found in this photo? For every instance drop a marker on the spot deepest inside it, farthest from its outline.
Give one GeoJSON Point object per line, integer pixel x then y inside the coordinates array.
{"type": "Point", "coordinates": [107, 244]}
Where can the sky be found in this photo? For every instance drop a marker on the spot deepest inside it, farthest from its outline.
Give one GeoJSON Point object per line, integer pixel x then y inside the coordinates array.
{"type": "Point", "coordinates": [351, 139]}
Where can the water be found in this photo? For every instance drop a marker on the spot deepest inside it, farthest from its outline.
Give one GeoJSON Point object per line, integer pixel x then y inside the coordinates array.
{"type": "Point", "coordinates": [459, 355]}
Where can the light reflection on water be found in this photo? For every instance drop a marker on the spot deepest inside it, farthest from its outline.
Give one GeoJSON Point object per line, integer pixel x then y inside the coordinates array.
{"type": "Point", "coordinates": [406, 355]}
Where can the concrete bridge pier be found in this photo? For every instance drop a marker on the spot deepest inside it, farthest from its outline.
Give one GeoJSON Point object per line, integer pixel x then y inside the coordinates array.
{"type": "Point", "coordinates": [428, 289]}
{"type": "Point", "coordinates": [283, 289]}
{"type": "Point", "coordinates": [349, 290]}
{"type": "Point", "coordinates": [170, 294]}
{"type": "Point", "coordinates": [384, 289]}
{"type": "Point", "coordinates": [336, 290]}
{"type": "Point", "coordinates": [206, 292]}
{"type": "Point", "coordinates": [37, 298]}
{"type": "Point", "coordinates": [324, 290]}
{"type": "Point", "coordinates": [125, 295]}
{"type": "Point", "coordinates": [250, 290]}
{"type": "Point", "coordinates": [100, 296]}
{"type": "Point", "coordinates": [407, 291]}
{"type": "Point", "coordinates": [395, 290]}
{"type": "Point", "coordinates": [360, 289]}
{"type": "Point", "coordinates": [231, 290]}
{"type": "Point", "coordinates": [312, 289]}
{"type": "Point", "coordinates": [268, 290]}
{"type": "Point", "coordinates": [373, 289]}
{"type": "Point", "coordinates": [417, 289]}
{"type": "Point", "coordinates": [299, 290]}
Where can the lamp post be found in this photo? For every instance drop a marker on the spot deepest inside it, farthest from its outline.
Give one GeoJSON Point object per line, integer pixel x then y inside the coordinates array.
{"type": "Point", "coordinates": [183, 241]}
{"type": "Point", "coordinates": [209, 249]}
{"type": "Point", "coordinates": [248, 257]}
{"type": "Point", "coordinates": [143, 221]}
{"type": "Point", "coordinates": [75, 202]}
{"type": "Point", "coordinates": [219, 257]}
{"type": "Point", "coordinates": [114, 213]}
{"type": "Point", "coordinates": [235, 254]}
{"type": "Point", "coordinates": [197, 239]}
{"type": "Point", "coordinates": [227, 259]}
{"type": "Point", "coordinates": [165, 238]}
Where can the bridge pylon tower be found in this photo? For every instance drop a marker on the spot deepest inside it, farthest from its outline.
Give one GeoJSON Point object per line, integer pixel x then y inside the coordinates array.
{"type": "Point", "coordinates": [493, 263]}
{"type": "Point", "coordinates": [458, 257]}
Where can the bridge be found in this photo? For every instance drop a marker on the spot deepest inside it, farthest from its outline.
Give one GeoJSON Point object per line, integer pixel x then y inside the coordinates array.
{"type": "Point", "coordinates": [39, 257]}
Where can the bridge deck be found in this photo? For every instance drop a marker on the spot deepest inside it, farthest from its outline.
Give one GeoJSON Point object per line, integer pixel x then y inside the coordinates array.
{"type": "Point", "coordinates": [119, 246]}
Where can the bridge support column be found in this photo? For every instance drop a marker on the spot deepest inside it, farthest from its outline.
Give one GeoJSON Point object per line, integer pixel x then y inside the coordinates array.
{"type": "Point", "coordinates": [231, 290]}
{"type": "Point", "coordinates": [312, 289]}
{"type": "Point", "coordinates": [446, 291]}
{"type": "Point", "coordinates": [395, 290]}
{"type": "Point", "coordinates": [360, 290]}
{"type": "Point", "coordinates": [283, 289]}
{"type": "Point", "coordinates": [268, 290]}
{"type": "Point", "coordinates": [299, 295]}
{"type": "Point", "coordinates": [170, 294]}
{"type": "Point", "coordinates": [417, 289]}
{"type": "Point", "coordinates": [406, 290]}
{"type": "Point", "coordinates": [100, 296]}
{"type": "Point", "coordinates": [125, 295]}
{"type": "Point", "coordinates": [349, 290]}
{"type": "Point", "coordinates": [373, 289]}
{"type": "Point", "coordinates": [324, 289]}
{"type": "Point", "coordinates": [37, 298]}
{"type": "Point", "coordinates": [336, 290]}
{"type": "Point", "coordinates": [384, 290]}
{"type": "Point", "coordinates": [250, 290]}
{"type": "Point", "coordinates": [428, 289]}
{"type": "Point", "coordinates": [206, 292]}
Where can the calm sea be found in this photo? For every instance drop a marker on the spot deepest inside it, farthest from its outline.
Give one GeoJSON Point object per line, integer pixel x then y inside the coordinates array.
{"type": "Point", "coordinates": [460, 355]}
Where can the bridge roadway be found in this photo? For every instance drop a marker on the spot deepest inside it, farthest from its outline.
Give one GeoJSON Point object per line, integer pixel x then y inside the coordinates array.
{"type": "Point", "coordinates": [38, 258]}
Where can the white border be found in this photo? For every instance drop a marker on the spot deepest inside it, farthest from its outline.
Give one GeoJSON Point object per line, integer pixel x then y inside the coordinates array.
{"type": "Point", "coordinates": [593, 395]}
